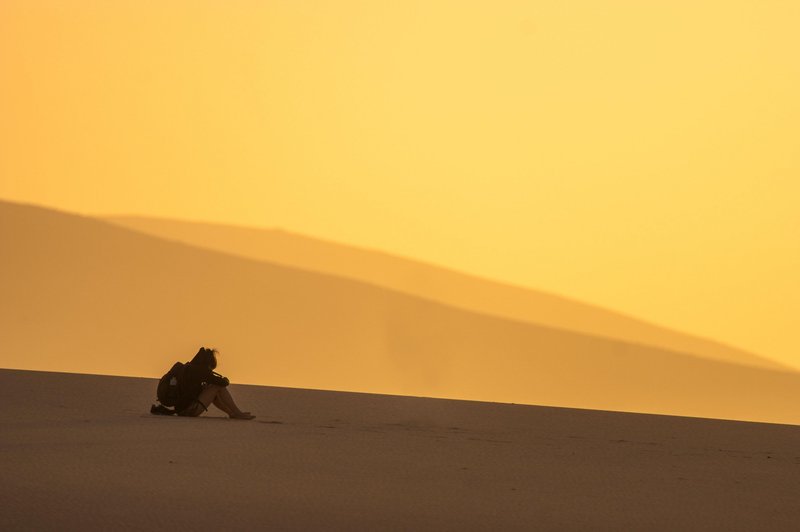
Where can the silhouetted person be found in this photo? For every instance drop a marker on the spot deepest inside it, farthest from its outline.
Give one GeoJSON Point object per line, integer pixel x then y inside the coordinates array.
{"type": "Point", "coordinates": [200, 387]}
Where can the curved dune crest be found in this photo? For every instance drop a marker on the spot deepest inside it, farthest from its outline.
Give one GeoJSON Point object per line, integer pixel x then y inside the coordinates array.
{"type": "Point", "coordinates": [82, 295]}
{"type": "Point", "coordinates": [435, 283]}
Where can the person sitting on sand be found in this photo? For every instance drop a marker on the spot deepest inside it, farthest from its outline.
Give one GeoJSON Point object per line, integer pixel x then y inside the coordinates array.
{"type": "Point", "coordinates": [200, 386]}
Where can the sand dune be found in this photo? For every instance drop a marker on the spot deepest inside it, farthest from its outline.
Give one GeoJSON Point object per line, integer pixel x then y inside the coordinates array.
{"type": "Point", "coordinates": [81, 453]}
{"type": "Point", "coordinates": [82, 295]}
{"type": "Point", "coordinates": [435, 283]}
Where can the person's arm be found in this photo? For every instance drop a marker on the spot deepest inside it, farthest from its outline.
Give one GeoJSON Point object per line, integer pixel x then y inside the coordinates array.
{"type": "Point", "coordinates": [219, 380]}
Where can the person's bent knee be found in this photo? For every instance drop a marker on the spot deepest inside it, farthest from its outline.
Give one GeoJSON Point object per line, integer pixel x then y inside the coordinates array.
{"type": "Point", "coordinates": [209, 394]}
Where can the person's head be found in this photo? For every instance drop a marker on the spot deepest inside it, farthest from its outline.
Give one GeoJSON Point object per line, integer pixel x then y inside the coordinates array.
{"type": "Point", "coordinates": [206, 357]}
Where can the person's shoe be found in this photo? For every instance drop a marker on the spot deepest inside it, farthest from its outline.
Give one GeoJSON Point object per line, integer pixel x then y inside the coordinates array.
{"type": "Point", "coordinates": [161, 410]}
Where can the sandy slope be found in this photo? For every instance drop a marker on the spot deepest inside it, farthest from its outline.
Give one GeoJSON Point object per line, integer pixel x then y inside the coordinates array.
{"type": "Point", "coordinates": [78, 452]}
{"type": "Point", "coordinates": [434, 283]}
{"type": "Point", "coordinates": [84, 296]}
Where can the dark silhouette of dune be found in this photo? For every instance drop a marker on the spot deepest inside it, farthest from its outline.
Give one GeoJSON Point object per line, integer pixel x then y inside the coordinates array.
{"type": "Point", "coordinates": [83, 295]}
{"type": "Point", "coordinates": [435, 283]}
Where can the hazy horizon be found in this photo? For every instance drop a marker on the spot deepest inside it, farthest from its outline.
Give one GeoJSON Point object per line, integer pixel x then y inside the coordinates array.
{"type": "Point", "coordinates": [639, 157]}
{"type": "Point", "coordinates": [88, 296]}
{"type": "Point", "coordinates": [390, 253]}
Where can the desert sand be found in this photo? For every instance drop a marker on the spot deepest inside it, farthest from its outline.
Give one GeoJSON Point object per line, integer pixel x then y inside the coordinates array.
{"type": "Point", "coordinates": [434, 283]}
{"type": "Point", "coordinates": [80, 452]}
{"type": "Point", "coordinates": [82, 295]}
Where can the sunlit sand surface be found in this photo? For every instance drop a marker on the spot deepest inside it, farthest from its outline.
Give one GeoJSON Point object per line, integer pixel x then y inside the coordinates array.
{"type": "Point", "coordinates": [81, 452]}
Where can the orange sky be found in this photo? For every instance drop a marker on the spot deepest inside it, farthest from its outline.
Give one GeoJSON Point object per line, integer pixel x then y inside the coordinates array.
{"type": "Point", "coordinates": [638, 155]}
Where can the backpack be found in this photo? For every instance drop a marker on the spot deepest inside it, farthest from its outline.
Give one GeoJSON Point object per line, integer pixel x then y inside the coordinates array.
{"type": "Point", "coordinates": [168, 386]}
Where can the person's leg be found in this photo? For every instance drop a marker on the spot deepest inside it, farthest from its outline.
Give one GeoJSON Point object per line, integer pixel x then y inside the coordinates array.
{"type": "Point", "coordinates": [220, 397]}
{"type": "Point", "coordinates": [193, 410]}
{"type": "Point", "coordinates": [209, 396]}
{"type": "Point", "coordinates": [225, 397]}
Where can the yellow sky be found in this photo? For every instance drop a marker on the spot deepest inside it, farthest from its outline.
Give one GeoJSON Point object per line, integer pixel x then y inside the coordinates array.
{"type": "Point", "coordinates": [643, 156]}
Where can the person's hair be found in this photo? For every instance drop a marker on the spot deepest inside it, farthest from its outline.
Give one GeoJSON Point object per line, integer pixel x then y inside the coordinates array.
{"type": "Point", "coordinates": [206, 357]}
